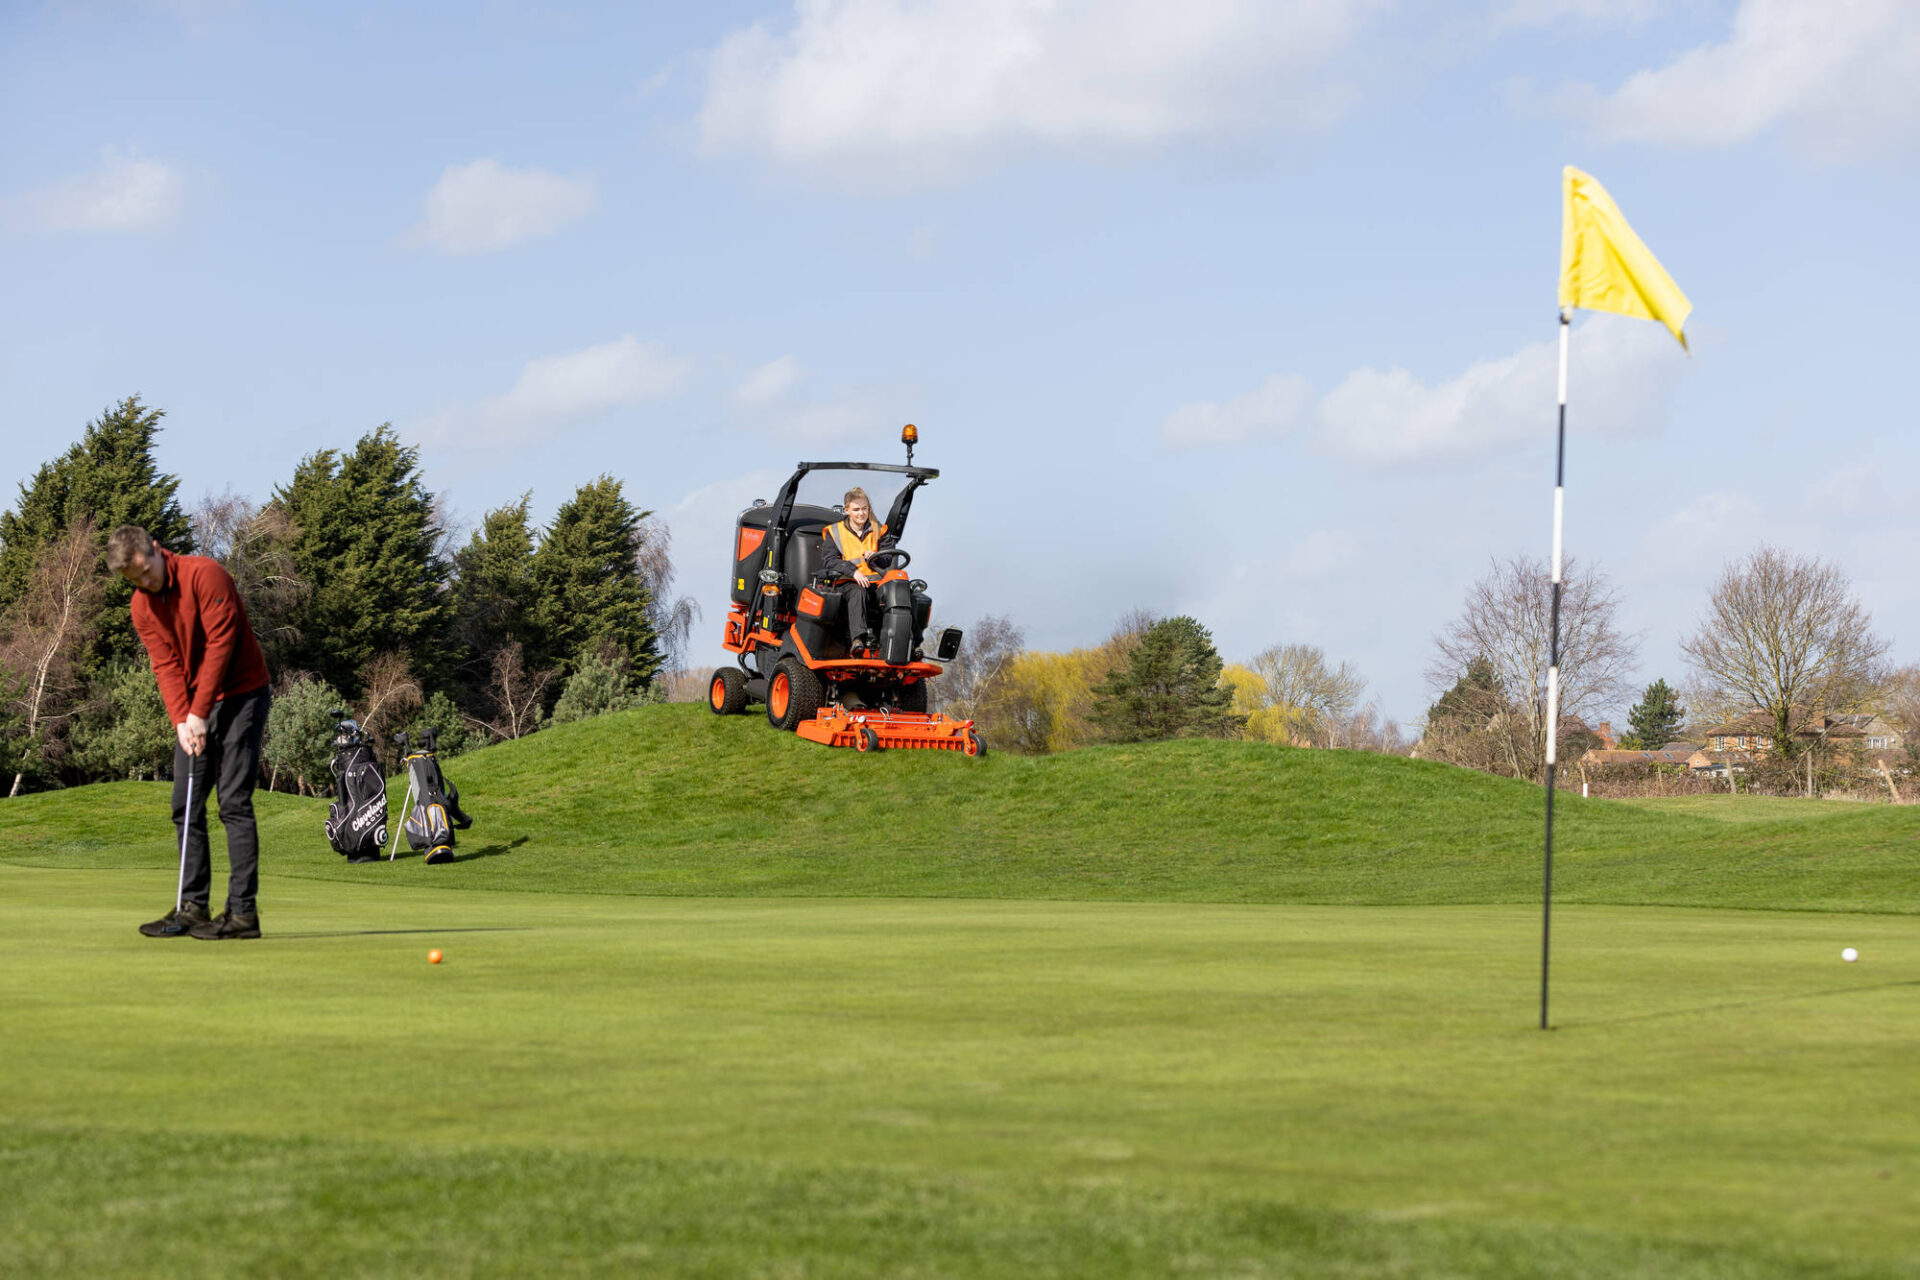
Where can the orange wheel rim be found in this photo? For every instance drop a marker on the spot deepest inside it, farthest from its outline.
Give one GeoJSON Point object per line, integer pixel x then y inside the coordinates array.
{"type": "Point", "coordinates": [777, 695]}
{"type": "Point", "coordinates": [719, 692]}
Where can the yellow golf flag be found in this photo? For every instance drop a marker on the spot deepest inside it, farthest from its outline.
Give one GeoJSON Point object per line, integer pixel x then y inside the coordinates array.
{"type": "Point", "coordinates": [1605, 267]}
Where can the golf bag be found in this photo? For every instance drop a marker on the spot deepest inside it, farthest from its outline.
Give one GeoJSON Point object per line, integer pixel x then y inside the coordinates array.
{"type": "Point", "coordinates": [357, 818]}
{"type": "Point", "coordinates": [432, 811]}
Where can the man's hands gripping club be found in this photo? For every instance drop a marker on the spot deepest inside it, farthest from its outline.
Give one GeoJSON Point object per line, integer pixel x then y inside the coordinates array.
{"type": "Point", "coordinates": [193, 734]}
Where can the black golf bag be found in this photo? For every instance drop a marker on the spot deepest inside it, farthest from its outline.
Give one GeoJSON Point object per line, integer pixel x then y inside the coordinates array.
{"type": "Point", "coordinates": [357, 818]}
{"type": "Point", "coordinates": [432, 812]}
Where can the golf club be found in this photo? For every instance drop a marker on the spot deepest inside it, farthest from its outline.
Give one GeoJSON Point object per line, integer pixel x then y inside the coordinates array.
{"type": "Point", "coordinates": [186, 825]}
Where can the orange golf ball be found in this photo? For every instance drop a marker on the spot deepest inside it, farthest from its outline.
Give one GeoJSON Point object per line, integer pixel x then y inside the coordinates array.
{"type": "Point", "coordinates": [433, 956]}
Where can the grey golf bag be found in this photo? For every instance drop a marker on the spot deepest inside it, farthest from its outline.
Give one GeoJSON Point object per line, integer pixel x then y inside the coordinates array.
{"type": "Point", "coordinates": [431, 812]}
{"type": "Point", "coordinates": [357, 818]}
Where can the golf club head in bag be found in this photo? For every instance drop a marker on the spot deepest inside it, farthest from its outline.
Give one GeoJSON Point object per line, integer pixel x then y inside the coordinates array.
{"type": "Point", "coordinates": [357, 818]}
{"type": "Point", "coordinates": [435, 812]}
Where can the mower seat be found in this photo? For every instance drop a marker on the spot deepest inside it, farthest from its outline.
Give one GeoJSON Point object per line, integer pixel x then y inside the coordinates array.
{"type": "Point", "coordinates": [806, 554]}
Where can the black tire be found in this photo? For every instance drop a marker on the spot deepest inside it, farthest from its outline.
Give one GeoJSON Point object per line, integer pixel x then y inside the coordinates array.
{"type": "Point", "coordinates": [913, 697]}
{"type": "Point", "coordinates": [727, 695]}
{"type": "Point", "coordinates": [793, 694]}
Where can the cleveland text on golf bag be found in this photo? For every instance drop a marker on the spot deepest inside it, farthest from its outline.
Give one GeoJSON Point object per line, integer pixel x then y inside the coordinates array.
{"type": "Point", "coordinates": [431, 810]}
{"type": "Point", "coordinates": [357, 818]}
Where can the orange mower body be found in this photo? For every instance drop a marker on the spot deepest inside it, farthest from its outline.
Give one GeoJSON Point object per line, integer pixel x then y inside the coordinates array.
{"type": "Point", "coordinates": [788, 627]}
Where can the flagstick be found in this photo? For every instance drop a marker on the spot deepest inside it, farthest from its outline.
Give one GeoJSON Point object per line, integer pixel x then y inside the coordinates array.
{"type": "Point", "coordinates": [1553, 677]}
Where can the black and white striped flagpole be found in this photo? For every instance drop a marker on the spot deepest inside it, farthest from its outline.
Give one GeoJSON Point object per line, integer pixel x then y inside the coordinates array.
{"type": "Point", "coordinates": [1553, 676]}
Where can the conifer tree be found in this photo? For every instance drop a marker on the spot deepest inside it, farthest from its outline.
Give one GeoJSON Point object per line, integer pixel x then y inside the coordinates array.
{"type": "Point", "coordinates": [368, 543]}
{"type": "Point", "coordinates": [1655, 719]}
{"type": "Point", "coordinates": [590, 594]}
{"type": "Point", "coordinates": [493, 593]}
{"type": "Point", "coordinates": [109, 479]}
{"type": "Point", "coordinates": [1170, 687]}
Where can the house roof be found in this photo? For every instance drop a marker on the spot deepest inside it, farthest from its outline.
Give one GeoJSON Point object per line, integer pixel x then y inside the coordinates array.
{"type": "Point", "coordinates": [1662, 756]}
{"type": "Point", "coordinates": [1759, 724]}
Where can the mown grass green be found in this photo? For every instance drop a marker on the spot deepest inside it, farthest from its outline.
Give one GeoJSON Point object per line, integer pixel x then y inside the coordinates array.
{"type": "Point", "coordinates": [1108, 1014]}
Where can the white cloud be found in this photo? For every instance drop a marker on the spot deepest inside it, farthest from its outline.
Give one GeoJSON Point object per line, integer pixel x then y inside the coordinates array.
{"type": "Point", "coordinates": [895, 95]}
{"type": "Point", "coordinates": [123, 194]}
{"type": "Point", "coordinates": [1276, 406]}
{"type": "Point", "coordinates": [484, 205]}
{"type": "Point", "coordinates": [774, 399]}
{"type": "Point", "coordinates": [1622, 376]}
{"type": "Point", "coordinates": [556, 392]}
{"type": "Point", "coordinates": [1836, 77]}
{"type": "Point", "coordinates": [770, 383]}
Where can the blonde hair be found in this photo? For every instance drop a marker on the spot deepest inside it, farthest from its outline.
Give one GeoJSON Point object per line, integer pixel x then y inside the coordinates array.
{"type": "Point", "coordinates": [856, 492]}
{"type": "Point", "coordinates": [126, 542]}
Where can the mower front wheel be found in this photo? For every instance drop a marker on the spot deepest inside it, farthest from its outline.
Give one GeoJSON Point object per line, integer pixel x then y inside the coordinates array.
{"type": "Point", "coordinates": [867, 740]}
{"type": "Point", "coordinates": [794, 694]}
{"type": "Point", "coordinates": [727, 695]}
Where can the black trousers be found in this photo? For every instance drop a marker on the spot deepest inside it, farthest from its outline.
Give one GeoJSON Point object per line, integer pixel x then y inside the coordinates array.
{"type": "Point", "coordinates": [228, 765]}
{"type": "Point", "coordinates": [863, 606]}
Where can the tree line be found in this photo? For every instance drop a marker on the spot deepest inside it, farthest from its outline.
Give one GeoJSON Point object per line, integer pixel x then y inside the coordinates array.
{"type": "Point", "coordinates": [1151, 679]}
{"type": "Point", "coordinates": [1783, 644]}
{"type": "Point", "coordinates": [361, 595]}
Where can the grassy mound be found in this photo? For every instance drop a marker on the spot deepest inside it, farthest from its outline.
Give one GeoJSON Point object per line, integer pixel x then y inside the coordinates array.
{"type": "Point", "coordinates": [673, 800]}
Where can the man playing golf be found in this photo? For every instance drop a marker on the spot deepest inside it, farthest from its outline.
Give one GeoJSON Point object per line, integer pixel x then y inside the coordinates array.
{"type": "Point", "coordinates": [213, 679]}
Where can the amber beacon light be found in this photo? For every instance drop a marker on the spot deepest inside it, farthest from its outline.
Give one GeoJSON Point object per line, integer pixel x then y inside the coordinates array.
{"type": "Point", "coordinates": [909, 436]}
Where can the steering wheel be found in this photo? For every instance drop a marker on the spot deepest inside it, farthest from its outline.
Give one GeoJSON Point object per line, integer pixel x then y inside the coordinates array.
{"type": "Point", "coordinates": [896, 559]}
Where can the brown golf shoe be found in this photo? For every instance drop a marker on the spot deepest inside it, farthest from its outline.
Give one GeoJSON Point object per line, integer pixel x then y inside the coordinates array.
{"type": "Point", "coordinates": [227, 925]}
{"type": "Point", "coordinates": [177, 923]}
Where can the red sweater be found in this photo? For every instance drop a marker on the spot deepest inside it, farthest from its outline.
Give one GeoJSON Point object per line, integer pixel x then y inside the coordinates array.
{"type": "Point", "coordinates": [196, 631]}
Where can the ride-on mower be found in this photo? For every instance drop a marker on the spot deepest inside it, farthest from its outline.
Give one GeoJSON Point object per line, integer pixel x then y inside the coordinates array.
{"type": "Point", "coordinates": [787, 627]}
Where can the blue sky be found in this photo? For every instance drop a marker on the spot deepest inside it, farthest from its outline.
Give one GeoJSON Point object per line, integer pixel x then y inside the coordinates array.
{"type": "Point", "coordinates": [1237, 309]}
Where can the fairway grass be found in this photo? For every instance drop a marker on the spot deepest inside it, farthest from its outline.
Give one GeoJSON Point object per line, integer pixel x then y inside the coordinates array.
{"type": "Point", "coordinates": [597, 1084]}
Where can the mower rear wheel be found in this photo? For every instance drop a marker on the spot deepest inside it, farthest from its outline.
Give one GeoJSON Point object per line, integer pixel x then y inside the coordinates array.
{"type": "Point", "coordinates": [794, 694]}
{"type": "Point", "coordinates": [727, 695]}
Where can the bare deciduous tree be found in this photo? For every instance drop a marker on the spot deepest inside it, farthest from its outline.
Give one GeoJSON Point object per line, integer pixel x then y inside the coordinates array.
{"type": "Point", "coordinates": [390, 695]}
{"type": "Point", "coordinates": [517, 695]}
{"type": "Point", "coordinates": [1786, 634]}
{"type": "Point", "coordinates": [1370, 729]}
{"type": "Point", "coordinates": [40, 637]}
{"type": "Point", "coordinates": [255, 545]}
{"type": "Point", "coordinates": [985, 650]}
{"type": "Point", "coordinates": [1505, 626]}
{"type": "Point", "coordinates": [1901, 703]}
{"type": "Point", "coordinates": [673, 617]}
{"type": "Point", "coordinates": [1301, 696]}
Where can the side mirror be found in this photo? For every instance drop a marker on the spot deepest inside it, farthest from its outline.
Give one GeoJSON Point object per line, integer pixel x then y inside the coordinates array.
{"type": "Point", "coordinates": [949, 647]}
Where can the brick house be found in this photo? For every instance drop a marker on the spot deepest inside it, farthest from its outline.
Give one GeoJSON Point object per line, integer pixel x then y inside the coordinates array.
{"type": "Point", "coordinates": [1753, 732]}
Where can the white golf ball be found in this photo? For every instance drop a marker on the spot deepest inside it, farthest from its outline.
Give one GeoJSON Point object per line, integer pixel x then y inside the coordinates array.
{"type": "Point", "coordinates": [1849, 954]}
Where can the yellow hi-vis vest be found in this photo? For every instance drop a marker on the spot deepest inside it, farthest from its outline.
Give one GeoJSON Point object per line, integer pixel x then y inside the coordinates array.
{"type": "Point", "coordinates": [854, 547]}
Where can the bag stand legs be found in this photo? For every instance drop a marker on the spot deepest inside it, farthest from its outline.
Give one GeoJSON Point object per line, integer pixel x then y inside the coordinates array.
{"type": "Point", "coordinates": [405, 805]}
